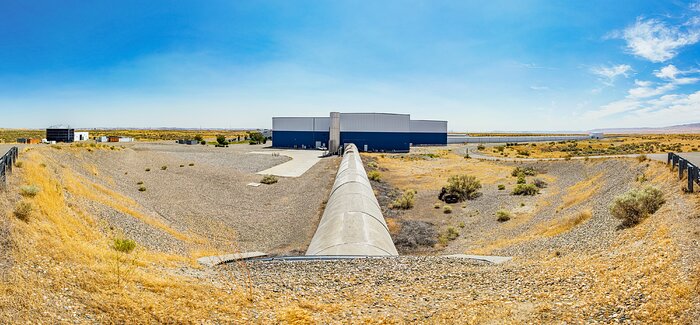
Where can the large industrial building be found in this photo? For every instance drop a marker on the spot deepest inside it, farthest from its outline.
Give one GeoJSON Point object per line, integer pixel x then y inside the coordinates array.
{"type": "Point", "coordinates": [376, 132]}
{"type": "Point", "coordinates": [60, 133]}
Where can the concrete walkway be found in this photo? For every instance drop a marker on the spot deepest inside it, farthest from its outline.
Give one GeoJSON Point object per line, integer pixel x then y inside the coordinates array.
{"type": "Point", "coordinates": [491, 259]}
{"type": "Point", "coordinates": [221, 259]}
{"type": "Point", "coordinates": [302, 160]}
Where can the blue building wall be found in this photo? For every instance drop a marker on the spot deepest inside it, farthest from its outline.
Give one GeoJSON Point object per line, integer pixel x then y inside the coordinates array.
{"type": "Point", "coordinates": [378, 141]}
{"type": "Point", "coordinates": [375, 141]}
{"type": "Point", "coordinates": [429, 139]}
{"type": "Point", "coordinates": [290, 139]}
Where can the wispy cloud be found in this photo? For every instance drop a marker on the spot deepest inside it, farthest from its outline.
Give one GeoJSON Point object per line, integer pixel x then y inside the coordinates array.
{"type": "Point", "coordinates": [608, 74]}
{"type": "Point", "coordinates": [673, 74]}
{"type": "Point", "coordinates": [656, 41]}
{"type": "Point", "coordinates": [539, 88]}
{"type": "Point", "coordinates": [534, 66]}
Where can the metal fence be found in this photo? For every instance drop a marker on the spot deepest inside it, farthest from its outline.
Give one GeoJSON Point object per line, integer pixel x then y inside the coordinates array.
{"type": "Point", "coordinates": [6, 163]}
{"type": "Point", "coordinates": [683, 166]}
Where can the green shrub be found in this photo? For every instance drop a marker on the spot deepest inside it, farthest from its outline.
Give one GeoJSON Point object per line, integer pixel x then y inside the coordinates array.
{"type": "Point", "coordinates": [480, 147]}
{"type": "Point", "coordinates": [29, 190]}
{"type": "Point", "coordinates": [642, 158]}
{"type": "Point", "coordinates": [374, 175]}
{"type": "Point", "coordinates": [148, 169]}
{"type": "Point", "coordinates": [142, 189]}
{"type": "Point", "coordinates": [437, 205]}
{"type": "Point", "coordinates": [447, 209]}
{"type": "Point", "coordinates": [637, 204]}
{"type": "Point", "coordinates": [125, 246]}
{"type": "Point", "coordinates": [521, 179]}
{"type": "Point", "coordinates": [502, 215]}
{"type": "Point", "coordinates": [269, 179]}
{"type": "Point", "coordinates": [526, 171]}
{"type": "Point", "coordinates": [501, 187]}
{"type": "Point", "coordinates": [451, 233]}
{"type": "Point", "coordinates": [221, 140]}
{"type": "Point", "coordinates": [198, 138]}
{"type": "Point", "coordinates": [163, 167]}
{"type": "Point", "coordinates": [463, 187]}
{"type": "Point", "coordinates": [19, 164]}
{"type": "Point", "coordinates": [23, 210]}
{"type": "Point", "coordinates": [139, 183]}
{"type": "Point", "coordinates": [405, 202]}
{"type": "Point", "coordinates": [191, 164]}
{"type": "Point", "coordinates": [182, 166]}
{"type": "Point", "coordinates": [372, 165]}
{"type": "Point", "coordinates": [525, 189]}
{"type": "Point", "coordinates": [461, 224]}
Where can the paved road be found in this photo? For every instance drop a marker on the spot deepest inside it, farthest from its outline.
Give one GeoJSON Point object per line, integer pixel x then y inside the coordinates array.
{"type": "Point", "coordinates": [693, 157]}
{"type": "Point", "coordinates": [474, 153]}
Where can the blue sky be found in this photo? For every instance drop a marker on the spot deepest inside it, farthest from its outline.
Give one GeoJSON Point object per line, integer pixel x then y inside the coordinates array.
{"type": "Point", "coordinates": [503, 65]}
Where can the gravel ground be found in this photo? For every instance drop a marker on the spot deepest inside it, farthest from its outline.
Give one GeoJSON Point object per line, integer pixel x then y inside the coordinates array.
{"type": "Point", "coordinates": [210, 199]}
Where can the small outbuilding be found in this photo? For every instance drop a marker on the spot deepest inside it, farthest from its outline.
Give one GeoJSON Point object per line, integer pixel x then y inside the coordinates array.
{"type": "Point", "coordinates": [81, 136]}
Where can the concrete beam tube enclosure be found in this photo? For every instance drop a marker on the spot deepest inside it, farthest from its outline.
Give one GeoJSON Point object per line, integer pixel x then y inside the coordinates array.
{"type": "Point", "coordinates": [352, 223]}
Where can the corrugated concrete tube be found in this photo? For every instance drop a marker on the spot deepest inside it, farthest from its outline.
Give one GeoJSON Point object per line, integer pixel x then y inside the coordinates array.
{"type": "Point", "coordinates": [352, 224]}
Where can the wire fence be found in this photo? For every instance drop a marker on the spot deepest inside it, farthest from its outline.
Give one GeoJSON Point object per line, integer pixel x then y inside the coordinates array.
{"type": "Point", "coordinates": [7, 162]}
{"type": "Point", "coordinates": [684, 166]}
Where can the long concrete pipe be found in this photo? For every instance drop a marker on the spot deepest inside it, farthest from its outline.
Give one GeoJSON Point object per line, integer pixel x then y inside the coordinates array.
{"type": "Point", "coordinates": [352, 223]}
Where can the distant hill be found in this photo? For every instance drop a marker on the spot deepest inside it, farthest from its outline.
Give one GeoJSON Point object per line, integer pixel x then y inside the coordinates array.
{"type": "Point", "coordinates": [675, 129]}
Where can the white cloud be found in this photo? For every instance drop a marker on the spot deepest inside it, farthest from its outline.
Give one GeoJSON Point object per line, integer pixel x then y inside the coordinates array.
{"type": "Point", "coordinates": [667, 109]}
{"type": "Point", "coordinates": [672, 74]}
{"type": "Point", "coordinates": [642, 83]}
{"type": "Point", "coordinates": [609, 74]}
{"type": "Point", "coordinates": [655, 41]}
{"type": "Point", "coordinates": [539, 87]}
{"type": "Point", "coordinates": [647, 91]}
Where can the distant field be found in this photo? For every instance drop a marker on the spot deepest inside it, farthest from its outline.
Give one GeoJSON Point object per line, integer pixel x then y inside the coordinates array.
{"type": "Point", "coordinates": [516, 134]}
{"type": "Point", "coordinates": [612, 145]}
{"type": "Point", "coordinates": [11, 135]}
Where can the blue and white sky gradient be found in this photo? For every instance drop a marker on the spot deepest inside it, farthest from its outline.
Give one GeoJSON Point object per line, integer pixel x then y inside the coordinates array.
{"type": "Point", "coordinates": [484, 66]}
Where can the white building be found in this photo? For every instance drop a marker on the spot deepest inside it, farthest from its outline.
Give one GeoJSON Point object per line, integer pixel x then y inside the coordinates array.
{"type": "Point", "coordinates": [81, 136]}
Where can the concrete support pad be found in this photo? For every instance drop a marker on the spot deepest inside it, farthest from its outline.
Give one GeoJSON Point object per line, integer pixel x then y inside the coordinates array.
{"type": "Point", "coordinates": [302, 160]}
{"type": "Point", "coordinates": [492, 259]}
{"type": "Point", "coordinates": [221, 259]}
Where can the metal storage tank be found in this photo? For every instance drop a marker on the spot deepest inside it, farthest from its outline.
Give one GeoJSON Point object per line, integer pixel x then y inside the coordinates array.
{"type": "Point", "coordinates": [384, 132]}
{"type": "Point", "coordinates": [428, 132]}
{"type": "Point", "coordinates": [300, 132]}
{"type": "Point", "coordinates": [352, 223]}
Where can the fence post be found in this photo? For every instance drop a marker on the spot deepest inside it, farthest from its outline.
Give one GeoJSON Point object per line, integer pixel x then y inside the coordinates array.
{"type": "Point", "coordinates": [691, 177]}
{"type": "Point", "coordinates": [669, 157]}
{"type": "Point", "coordinates": [674, 161]}
{"type": "Point", "coordinates": [681, 168]}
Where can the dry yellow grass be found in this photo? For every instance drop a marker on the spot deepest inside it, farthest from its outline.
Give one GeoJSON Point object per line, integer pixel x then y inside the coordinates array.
{"type": "Point", "coordinates": [433, 174]}
{"type": "Point", "coordinates": [548, 229]}
{"type": "Point", "coordinates": [582, 191]}
{"type": "Point", "coordinates": [61, 254]}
